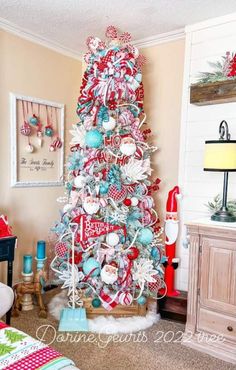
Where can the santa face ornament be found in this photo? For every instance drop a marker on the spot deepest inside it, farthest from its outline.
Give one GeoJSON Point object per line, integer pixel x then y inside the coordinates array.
{"type": "Point", "coordinates": [109, 274]}
{"type": "Point", "coordinates": [91, 205]}
{"type": "Point", "coordinates": [128, 146]}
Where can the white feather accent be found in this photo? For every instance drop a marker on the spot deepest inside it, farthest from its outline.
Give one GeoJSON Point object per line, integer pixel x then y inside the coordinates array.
{"type": "Point", "coordinates": [78, 134]}
{"type": "Point", "coordinates": [136, 170]}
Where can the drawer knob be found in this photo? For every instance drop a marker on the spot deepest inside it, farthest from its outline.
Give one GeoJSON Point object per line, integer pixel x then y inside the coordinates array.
{"type": "Point", "coordinates": [229, 328]}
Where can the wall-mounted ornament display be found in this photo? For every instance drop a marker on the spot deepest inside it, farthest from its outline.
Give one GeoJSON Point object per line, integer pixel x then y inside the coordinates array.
{"type": "Point", "coordinates": [37, 142]}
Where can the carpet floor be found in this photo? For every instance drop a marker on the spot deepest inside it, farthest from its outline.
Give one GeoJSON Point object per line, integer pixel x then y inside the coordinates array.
{"type": "Point", "coordinates": [141, 351]}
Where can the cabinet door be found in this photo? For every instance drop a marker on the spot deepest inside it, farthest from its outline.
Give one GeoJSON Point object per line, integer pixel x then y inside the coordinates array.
{"type": "Point", "coordinates": [218, 275]}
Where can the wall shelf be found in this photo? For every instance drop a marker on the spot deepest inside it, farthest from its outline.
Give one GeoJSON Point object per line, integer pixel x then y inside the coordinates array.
{"type": "Point", "coordinates": [213, 93]}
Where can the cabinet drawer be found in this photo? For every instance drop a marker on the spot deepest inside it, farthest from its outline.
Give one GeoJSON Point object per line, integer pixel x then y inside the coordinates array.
{"type": "Point", "coordinates": [214, 322]}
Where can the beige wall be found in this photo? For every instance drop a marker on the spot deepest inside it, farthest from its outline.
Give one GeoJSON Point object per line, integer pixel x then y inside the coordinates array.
{"type": "Point", "coordinates": [162, 77]}
{"type": "Point", "coordinates": [33, 70]}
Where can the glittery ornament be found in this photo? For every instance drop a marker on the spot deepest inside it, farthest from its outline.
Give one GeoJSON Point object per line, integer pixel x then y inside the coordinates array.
{"type": "Point", "coordinates": [25, 129]}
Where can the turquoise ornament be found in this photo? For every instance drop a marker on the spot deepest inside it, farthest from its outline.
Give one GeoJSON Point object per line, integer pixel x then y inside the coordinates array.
{"type": "Point", "coordinates": [145, 236]}
{"type": "Point", "coordinates": [91, 265]}
{"type": "Point", "coordinates": [142, 300]}
{"type": "Point", "coordinates": [48, 131]}
{"type": "Point", "coordinates": [96, 302]}
{"type": "Point", "coordinates": [103, 188]}
{"type": "Point", "coordinates": [155, 253]}
{"type": "Point", "coordinates": [34, 120]}
{"type": "Point", "coordinates": [93, 139]}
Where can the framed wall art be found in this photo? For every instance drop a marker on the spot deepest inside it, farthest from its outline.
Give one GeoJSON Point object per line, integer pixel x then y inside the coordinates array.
{"type": "Point", "coordinates": [37, 148]}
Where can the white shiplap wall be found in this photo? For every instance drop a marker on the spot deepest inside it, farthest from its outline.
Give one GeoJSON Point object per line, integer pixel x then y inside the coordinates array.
{"type": "Point", "coordinates": [206, 41]}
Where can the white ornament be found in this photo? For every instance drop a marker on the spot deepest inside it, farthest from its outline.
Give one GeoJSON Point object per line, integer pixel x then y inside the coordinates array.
{"type": "Point", "coordinates": [78, 134]}
{"type": "Point", "coordinates": [29, 148]}
{"type": "Point", "coordinates": [128, 146]}
{"type": "Point", "coordinates": [126, 298]}
{"type": "Point", "coordinates": [79, 181]}
{"type": "Point", "coordinates": [136, 170]}
{"type": "Point", "coordinates": [109, 125]}
{"type": "Point", "coordinates": [52, 148]}
{"type": "Point", "coordinates": [112, 239]}
{"type": "Point", "coordinates": [134, 201]}
{"type": "Point", "coordinates": [91, 205]}
{"type": "Point", "coordinates": [109, 274]}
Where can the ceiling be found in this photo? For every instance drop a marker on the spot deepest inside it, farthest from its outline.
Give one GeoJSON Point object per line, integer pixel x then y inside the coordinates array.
{"type": "Point", "coordinates": [67, 23]}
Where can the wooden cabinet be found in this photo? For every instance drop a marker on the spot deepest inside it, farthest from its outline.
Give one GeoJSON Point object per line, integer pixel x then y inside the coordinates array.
{"type": "Point", "coordinates": [211, 312]}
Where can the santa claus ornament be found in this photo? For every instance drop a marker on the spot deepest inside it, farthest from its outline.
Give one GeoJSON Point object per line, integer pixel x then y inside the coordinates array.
{"type": "Point", "coordinates": [109, 274]}
{"type": "Point", "coordinates": [91, 205]}
{"type": "Point", "coordinates": [128, 146]}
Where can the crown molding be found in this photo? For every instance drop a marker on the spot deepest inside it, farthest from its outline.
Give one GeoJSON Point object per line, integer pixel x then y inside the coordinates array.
{"type": "Point", "coordinates": [43, 41]}
{"type": "Point", "coordinates": [160, 39]}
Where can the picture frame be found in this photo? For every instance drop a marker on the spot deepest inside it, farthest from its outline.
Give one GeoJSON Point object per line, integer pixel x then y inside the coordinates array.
{"type": "Point", "coordinates": [43, 166]}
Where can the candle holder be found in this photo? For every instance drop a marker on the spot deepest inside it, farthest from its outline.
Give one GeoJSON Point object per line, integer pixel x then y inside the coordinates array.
{"type": "Point", "coordinates": [40, 267]}
{"type": "Point", "coordinates": [27, 301]}
{"type": "Point", "coordinates": [32, 285]}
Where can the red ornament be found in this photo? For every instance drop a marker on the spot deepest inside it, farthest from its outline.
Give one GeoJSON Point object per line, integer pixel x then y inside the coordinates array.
{"type": "Point", "coordinates": [133, 253]}
{"type": "Point", "coordinates": [78, 257]}
{"type": "Point", "coordinates": [155, 286]}
{"type": "Point", "coordinates": [117, 195]}
{"type": "Point", "coordinates": [127, 202]}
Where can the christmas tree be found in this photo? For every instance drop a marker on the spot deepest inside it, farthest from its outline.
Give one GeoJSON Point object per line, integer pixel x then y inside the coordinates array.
{"type": "Point", "coordinates": [109, 219]}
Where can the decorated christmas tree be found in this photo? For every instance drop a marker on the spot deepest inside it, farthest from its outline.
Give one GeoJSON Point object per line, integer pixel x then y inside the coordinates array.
{"type": "Point", "coordinates": [109, 219]}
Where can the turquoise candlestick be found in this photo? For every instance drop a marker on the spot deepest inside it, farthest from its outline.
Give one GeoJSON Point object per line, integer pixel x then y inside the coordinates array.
{"type": "Point", "coordinates": [41, 249]}
{"type": "Point", "coordinates": [27, 264]}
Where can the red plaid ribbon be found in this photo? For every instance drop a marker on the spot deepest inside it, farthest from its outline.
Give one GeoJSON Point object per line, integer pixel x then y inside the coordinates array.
{"type": "Point", "coordinates": [108, 301]}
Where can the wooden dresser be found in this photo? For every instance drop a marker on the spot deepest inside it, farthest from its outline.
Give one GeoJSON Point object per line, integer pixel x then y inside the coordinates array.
{"type": "Point", "coordinates": [211, 311]}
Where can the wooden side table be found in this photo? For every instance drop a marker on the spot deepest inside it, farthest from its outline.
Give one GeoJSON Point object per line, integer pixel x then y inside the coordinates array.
{"type": "Point", "coordinates": [211, 311]}
{"type": "Point", "coordinates": [7, 253]}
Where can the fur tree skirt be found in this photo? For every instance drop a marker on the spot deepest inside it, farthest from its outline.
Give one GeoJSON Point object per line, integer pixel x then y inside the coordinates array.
{"type": "Point", "coordinates": [108, 324]}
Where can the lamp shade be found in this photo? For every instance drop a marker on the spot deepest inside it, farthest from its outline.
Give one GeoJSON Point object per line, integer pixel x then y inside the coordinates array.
{"type": "Point", "coordinates": [220, 155]}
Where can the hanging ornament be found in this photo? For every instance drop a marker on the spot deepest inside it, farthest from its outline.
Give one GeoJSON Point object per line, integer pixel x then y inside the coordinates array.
{"type": "Point", "coordinates": [109, 274]}
{"type": "Point", "coordinates": [93, 138]}
{"type": "Point", "coordinates": [116, 194]}
{"type": "Point", "coordinates": [127, 202]}
{"type": "Point", "coordinates": [112, 239]}
{"type": "Point", "coordinates": [103, 187]}
{"type": "Point", "coordinates": [134, 201]}
{"type": "Point", "coordinates": [61, 249]}
{"type": "Point", "coordinates": [96, 302]}
{"type": "Point", "coordinates": [126, 298]}
{"type": "Point", "coordinates": [48, 131]}
{"type": "Point", "coordinates": [40, 138]}
{"type": "Point", "coordinates": [156, 285]}
{"type": "Point", "coordinates": [29, 148]}
{"type": "Point", "coordinates": [91, 205]}
{"type": "Point", "coordinates": [79, 181]}
{"type": "Point", "coordinates": [56, 144]}
{"type": "Point", "coordinates": [128, 146]}
{"type": "Point", "coordinates": [142, 300]}
{"type": "Point", "coordinates": [110, 124]}
{"type": "Point", "coordinates": [133, 253]}
{"type": "Point", "coordinates": [25, 129]}
{"type": "Point", "coordinates": [34, 120]}
{"type": "Point", "coordinates": [91, 267]}
{"type": "Point", "coordinates": [145, 236]}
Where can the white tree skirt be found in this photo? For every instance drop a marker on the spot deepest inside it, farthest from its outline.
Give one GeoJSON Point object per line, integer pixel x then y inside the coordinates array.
{"type": "Point", "coordinates": [108, 324]}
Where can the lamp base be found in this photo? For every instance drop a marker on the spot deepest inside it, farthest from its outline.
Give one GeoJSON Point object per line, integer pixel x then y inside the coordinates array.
{"type": "Point", "coordinates": [223, 216]}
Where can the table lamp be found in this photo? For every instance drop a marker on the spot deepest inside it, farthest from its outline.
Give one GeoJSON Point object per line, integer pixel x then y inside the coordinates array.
{"type": "Point", "coordinates": [220, 155]}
